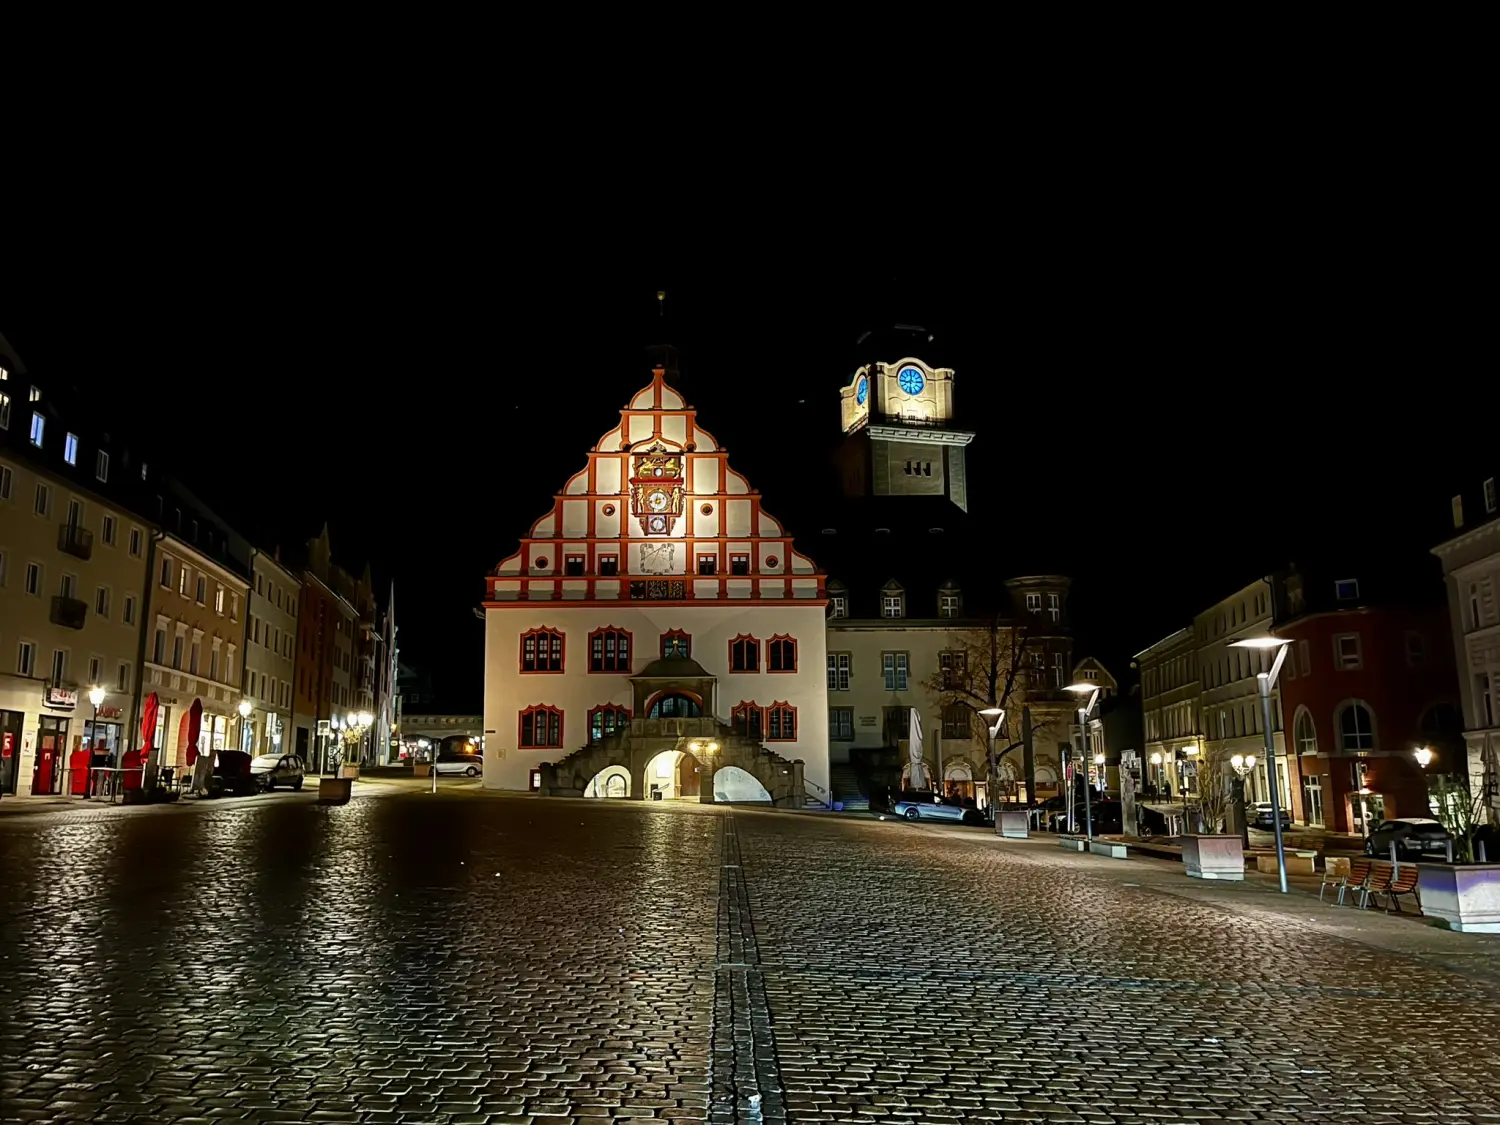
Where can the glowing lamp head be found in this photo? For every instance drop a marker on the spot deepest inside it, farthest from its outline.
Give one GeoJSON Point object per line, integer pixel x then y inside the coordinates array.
{"type": "Point", "coordinates": [1424, 756]}
{"type": "Point", "coordinates": [96, 695]}
{"type": "Point", "coordinates": [1260, 642]}
{"type": "Point", "coordinates": [244, 708]}
{"type": "Point", "coordinates": [1156, 759]}
{"type": "Point", "coordinates": [1098, 759]}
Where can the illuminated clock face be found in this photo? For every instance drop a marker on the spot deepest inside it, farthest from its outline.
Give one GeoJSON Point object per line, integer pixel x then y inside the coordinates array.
{"type": "Point", "coordinates": [861, 391]}
{"type": "Point", "coordinates": [657, 525]}
{"type": "Point", "coordinates": [911, 380]}
{"type": "Point", "coordinates": [657, 501]}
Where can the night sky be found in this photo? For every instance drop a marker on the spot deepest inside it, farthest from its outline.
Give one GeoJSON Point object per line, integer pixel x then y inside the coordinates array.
{"type": "Point", "coordinates": [1170, 404]}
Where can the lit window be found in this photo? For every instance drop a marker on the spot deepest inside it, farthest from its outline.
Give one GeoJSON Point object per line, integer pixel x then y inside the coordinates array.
{"type": "Point", "coordinates": [1054, 607]}
{"type": "Point", "coordinates": [606, 720]}
{"type": "Point", "coordinates": [4, 411]}
{"type": "Point", "coordinates": [38, 426]}
{"type": "Point", "coordinates": [70, 449]}
{"type": "Point", "coordinates": [892, 605]}
{"type": "Point", "coordinates": [101, 465]}
{"type": "Point", "coordinates": [1033, 603]}
{"type": "Point", "coordinates": [953, 668]}
{"type": "Point", "coordinates": [744, 654]}
{"type": "Point", "coordinates": [781, 654]}
{"type": "Point", "coordinates": [838, 606]}
{"type": "Point", "coordinates": [1346, 589]}
{"type": "Point", "coordinates": [36, 394]}
{"type": "Point", "coordinates": [748, 719]}
{"type": "Point", "coordinates": [676, 645]}
{"type": "Point", "coordinates": [542, 651]}
{"type": "Point", "coordinates": [948, 605]}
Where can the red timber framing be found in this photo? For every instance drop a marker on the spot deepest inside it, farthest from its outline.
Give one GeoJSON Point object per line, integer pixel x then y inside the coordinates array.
{"type": "Point", "coordinates": [771, 557]}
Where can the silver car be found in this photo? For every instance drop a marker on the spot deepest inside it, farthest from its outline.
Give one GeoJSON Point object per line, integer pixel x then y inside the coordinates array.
{"type": "Point", "coordinates": [271, 770]}
{"type": "Point", "coordinates": [929, 806]}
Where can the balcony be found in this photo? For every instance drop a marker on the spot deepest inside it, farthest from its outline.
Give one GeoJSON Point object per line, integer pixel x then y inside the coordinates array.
{"type": "Point", "coordinates": [75, 541]}
{"type": "Point", "coordinates": [69, 612]}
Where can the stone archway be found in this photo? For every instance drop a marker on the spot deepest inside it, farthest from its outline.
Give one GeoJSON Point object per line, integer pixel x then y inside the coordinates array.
{"type": "Point", "coordinates": [675, 704]}
{"type": "Point", "coordinates": [610, 782]}
{"type": "Point", "coordinates": [733, 784]}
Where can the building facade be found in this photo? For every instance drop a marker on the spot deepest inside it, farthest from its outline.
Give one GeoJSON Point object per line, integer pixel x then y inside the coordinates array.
{"type": "Point", "coordinates": [1471, 575]}
{"type": "Point", "coordinates": [271, 654]}
{"type": "Point", "coordinates": [195, 621]}
{"type": "Point", "coordinates": [656, 599]}
{"type": "Point", "coordinates": [1368, 679]}
{"type": "Point", "coordinates": [73, 565]}
{"type": "Point", "coordinates": [1170, 707]}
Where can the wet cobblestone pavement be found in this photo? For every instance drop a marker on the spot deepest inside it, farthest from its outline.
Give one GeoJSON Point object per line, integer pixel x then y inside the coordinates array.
{"type": "Point", "coordinates": [465, 958]}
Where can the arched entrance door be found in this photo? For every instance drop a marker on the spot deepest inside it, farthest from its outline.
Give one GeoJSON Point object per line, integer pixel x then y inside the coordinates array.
{"type": "Point", "coordinates": [675, 705]}
{"type": "Point", "coordinates": [733, 784]}
{"type": "Point", "coordinates": [611, 781]}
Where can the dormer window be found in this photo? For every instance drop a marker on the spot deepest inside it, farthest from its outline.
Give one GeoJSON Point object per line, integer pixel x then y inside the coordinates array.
{"type": "Point", "coordinates": [892, 601]}
{"type": "Point", "coordinates": [1033, 603]}
{"type": "Point", "coordinates": [1346, 589]}
{"type": "Point", "coordinates": [950, 603]}
{"type": "Point", "coordinates": [838, 605]}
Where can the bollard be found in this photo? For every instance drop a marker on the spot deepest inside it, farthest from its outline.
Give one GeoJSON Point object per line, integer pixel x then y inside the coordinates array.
{"type": "Point", "coordinates": [1448, 848]}
{"type": "Point", "coordinates": [1482, 857]}
{"type": "Point", "coordinates": [1395, 862]}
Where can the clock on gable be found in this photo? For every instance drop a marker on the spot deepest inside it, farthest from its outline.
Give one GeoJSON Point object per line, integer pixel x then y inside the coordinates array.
{"type": "Point", "coordinates": [861, 391]}
{"type": "Point", "coordinates": [656, 490]}
{"type": "Point", "coordinates": [911, 379]}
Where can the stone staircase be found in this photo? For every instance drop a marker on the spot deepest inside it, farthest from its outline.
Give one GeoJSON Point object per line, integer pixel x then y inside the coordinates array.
{"type": "Point", "coordinates": [845, 785]}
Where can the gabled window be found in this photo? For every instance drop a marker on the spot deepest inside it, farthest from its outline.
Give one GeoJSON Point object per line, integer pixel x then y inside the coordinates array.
{"type": "Point", "coordinates": [747, 719]}
{"type": "Point", "coordinates": [542, 651]}
{"type": "Point", "coordinates": [781, 654]}
{"type": "Point", "coordinates": [606, 720]}
{"type": "Point", "coordinates": [781, 722]}
{"type": "Point", "coordinates": [744, 654]}
{"type": "Point", "coordinates": [838, 671]}
{"type": "Point", "coordinates": [953, 667]}
{"type": "Point", "coordinates": [838, 605]}
{"type": "Point", "coordinates": [609, 650]}
{"type": "Point", "coordinates": [541, 728]}
{"type": "Point", "coordinates": [1346, 589]}
{"type": "Point", "coordinates": [892, 605]}
{"type": "Point", "coordinates": [676, 645]}
{"type": "Point", "coordinates": [893, 667]}
{"type": "Point", "coordinates": [947, 605]}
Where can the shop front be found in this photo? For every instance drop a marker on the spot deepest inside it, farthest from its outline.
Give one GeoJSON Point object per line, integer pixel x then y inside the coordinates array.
{"type": "Point", "coordinates": [11, 725]}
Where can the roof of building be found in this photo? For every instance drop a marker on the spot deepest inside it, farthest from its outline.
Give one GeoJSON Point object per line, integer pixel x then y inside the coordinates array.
{"type": "Point", "coordinates": [672, 668]}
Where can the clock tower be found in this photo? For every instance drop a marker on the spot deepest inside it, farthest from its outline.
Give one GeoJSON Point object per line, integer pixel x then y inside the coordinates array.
{"type": "Point", "coordinates": [897, 415]}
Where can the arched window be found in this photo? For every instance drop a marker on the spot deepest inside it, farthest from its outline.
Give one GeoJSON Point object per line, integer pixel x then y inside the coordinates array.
{"type": "Point", "coordinates": [606, 720]}
{"type": "Point", "coordinates": [541, 727]}
{"type": "Point", "coordinates": [781, 654]}
{"type": "Point", "coordinates": [675, 705]}
{"type": "Point", "coordinates": [541, 650]}
{"type": "Point", "coordinates": [1356, 728]}
{"type": "Point", "coordinates": [744, 654]}
{"type": "Point", "coordinates": [676, 645]}
{"type": "Point", "coordinates": [748, 719]}
{"type": "Point", "coordinates": [609, 650]}
{"type": "Point", "coordinates": [781, 722]}
{"type": "Point", "coordinates": [1304, 733]}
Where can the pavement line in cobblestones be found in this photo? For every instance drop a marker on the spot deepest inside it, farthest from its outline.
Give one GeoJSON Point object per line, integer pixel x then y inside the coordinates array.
{"type": "Point", "coordinates": [745, 1078]}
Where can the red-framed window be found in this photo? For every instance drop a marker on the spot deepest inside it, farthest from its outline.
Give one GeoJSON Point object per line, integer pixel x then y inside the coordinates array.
{"type": "Point", "coordinates": [675, 644]}
{"type": "Point", "coordinates": [609, 650]}
{"type": "Point", "coordinates": [748, 719]}
{"type": "Point", "coordinates": [781, 723]}
{"type": "Point", "coordinates": [573, 564]}
{"type": "Point", "coordinates": [606, 719]}
{"type": "Point", "coordinates": [744, 654]}
{"type": "Point", "coordinates": [541, 728]}
{"type": "Point", "coordinates": [609, 566]}
{"type": "Point", "coordinates": [708, 564]}
{"type": "Point", "coordinates": [542, 650]}
{"type": "Point", "coordinates": [739, 564]}
{"type": "Point", "coordinates": [781, 654]}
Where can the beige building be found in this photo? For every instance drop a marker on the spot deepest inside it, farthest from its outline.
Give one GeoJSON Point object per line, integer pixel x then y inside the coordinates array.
{"type": "Point", "coordinates": [195, 643]}
{"type": "Point", "coordinates": [1170, 701]}
{"type": "Point", "coordinates": [72, 587]}
{"type": "Point", "coordinates": [1471, 571]}
{"type": "Point", "coordinates": [270, 654]}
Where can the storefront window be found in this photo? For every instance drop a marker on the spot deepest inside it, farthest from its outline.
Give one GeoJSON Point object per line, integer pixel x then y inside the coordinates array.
{"type": "Point", "coordinates": [103, 738]}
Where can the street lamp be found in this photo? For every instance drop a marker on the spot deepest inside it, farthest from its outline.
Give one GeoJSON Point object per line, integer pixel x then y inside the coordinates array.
{"type": "Point", "coordinates": [1083, 725]}
{"type": "Point", "coordinates": [1423, 753]}
{"type": "Point", "coordinates": [96, 697]}
{"type": "Point", "coordinates": [244, 710]}
{"type": "Point", "coordinates": [1267, 681]}
{"type": "Point", "coordinates": [1099, 772]}
{"type": "Point", "coordinates": [1156, 776]}
{"type": "Point", "coordinates": [994, 717]}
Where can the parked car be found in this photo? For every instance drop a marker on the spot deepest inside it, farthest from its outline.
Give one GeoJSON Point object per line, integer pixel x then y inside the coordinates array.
{"type": "Point", "coordinates": [1412, 835]}
{"type": "Point", "coordinates": [931, 806]}
{"type": "Point", "coordinates": [271, 770]}
{"type": "Point", "coordinates": [1261, 816]}
{"type": "Point", "coordinates": [471, 765]}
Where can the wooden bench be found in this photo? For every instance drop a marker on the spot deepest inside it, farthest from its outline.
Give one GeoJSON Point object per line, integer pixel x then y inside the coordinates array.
{"type": "Point", "coordinates": [1403, 881]}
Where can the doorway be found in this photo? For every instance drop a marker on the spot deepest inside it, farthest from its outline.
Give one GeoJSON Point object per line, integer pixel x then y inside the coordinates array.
{"type": "Point", "coordinates": [1312, 799]}
{"type": "Point", "coordinates": [10, 749]}
{"type": "Point", "coordinates": [52, 741]}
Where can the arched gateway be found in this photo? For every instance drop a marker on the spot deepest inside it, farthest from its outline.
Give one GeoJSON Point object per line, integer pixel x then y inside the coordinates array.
{"type": "Point", "coordinates": [707, 746]}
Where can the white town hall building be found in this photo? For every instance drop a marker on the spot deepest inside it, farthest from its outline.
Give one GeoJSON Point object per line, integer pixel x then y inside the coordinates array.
{"type": "Point", "coordinates": [656, 630]}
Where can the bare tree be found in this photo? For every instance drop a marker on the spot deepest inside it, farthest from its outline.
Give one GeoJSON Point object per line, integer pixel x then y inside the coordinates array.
{"type": "Point", "coordinates": [1461, 812]}
{"type": "Point", "coordinates": [990, 664]}
{"type": "Point", "coordinates": [1213, 787]}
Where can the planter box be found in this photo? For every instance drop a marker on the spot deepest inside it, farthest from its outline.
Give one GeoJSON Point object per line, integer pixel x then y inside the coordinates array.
{"type": "Point", "coordinates": [1467, 897]}
{"type": "Point", "coordinates": [1111, 848]}
{"type": "Point", "coordinates": [334, 790]}
{"type": "Point", "coordinates": [1073, 843]}
{"type": "Point", "coordinates": [1214, 857]}
{"type": "Point", "coordinates": [421, 769]}
{"type": "Point", "coordinates": [349, 769]}
{"type": "Point", "coordinates": [1297, 863]}
{"type": "Point", "coordinates": [1012, 824]}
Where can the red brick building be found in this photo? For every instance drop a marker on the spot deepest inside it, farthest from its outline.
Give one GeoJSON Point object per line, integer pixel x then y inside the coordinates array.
{"type": "Point", "coordinates": [1368, 678]}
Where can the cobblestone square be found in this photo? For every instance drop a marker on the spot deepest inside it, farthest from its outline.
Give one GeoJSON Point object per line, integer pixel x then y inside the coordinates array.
{"type": "Point", "coordinates": [470, 958]}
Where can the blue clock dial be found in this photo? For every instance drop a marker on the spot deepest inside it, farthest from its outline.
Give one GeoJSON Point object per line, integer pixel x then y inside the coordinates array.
{"type": "Point", "coordinates": [861, 391]}
{"type": "Point", "coordinates": [911, 380]}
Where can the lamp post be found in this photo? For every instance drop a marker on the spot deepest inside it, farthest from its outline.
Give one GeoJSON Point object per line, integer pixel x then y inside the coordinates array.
{"type": "Point", "coordinates": [244, 709]}
{"type": "Point", "coordinates": [1084, 714]}
{"type": "Point", "coordinates": [96, 697]}
{"type": "Point", "coordinates": [993, 718]}
{"type": "Point", "coordinates": [1099, 772]}
{"type": "Point", "coordinates": [1156, 776]}
{"type": "Point", "coordinates": [1242, 764]}
{"type": "Point", "coordinates": [1267, 681]}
